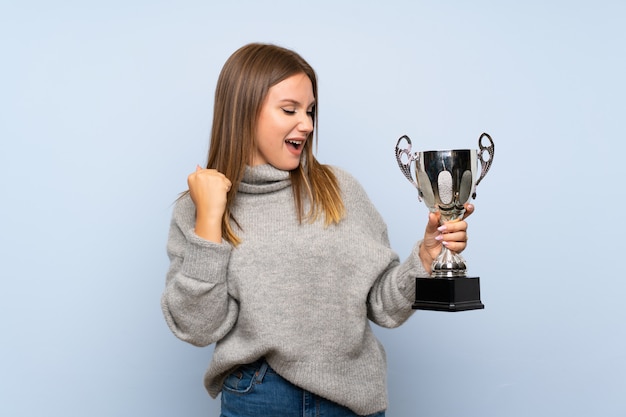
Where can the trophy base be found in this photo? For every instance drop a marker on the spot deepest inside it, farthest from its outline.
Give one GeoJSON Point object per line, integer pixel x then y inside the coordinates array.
{"type": "Point", "coordinates": [447, 294]}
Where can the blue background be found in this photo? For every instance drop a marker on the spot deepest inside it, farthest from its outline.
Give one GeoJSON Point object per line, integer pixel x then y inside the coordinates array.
{"type": "Point", "coordinates": [105, 108]}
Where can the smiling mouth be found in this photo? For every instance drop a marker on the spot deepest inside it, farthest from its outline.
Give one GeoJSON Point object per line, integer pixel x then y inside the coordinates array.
{"type": "Point", "coordinates": [295, 144]}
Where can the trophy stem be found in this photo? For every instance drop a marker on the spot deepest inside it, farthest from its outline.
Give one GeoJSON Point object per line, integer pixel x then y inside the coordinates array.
{"type": "Point", "coordinates": [448, 265]}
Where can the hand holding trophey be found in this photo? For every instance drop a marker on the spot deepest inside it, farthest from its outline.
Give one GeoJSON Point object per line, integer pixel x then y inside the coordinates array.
{"type": "Point", "coordinates": [451, 234]}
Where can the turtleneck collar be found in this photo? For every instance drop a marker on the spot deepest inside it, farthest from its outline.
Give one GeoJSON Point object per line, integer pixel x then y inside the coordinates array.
{"type": "Point", "coordinates": [263, 179]}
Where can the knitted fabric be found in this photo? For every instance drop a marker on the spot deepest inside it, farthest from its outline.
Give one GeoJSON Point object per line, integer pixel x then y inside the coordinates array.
{"type": "Point", "coordinates": [300, 295]}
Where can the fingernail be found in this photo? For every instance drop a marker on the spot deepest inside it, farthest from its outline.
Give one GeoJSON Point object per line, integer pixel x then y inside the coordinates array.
{"type": "Point", "coordinates": [444, 243]}
{"type": "Point", "coordinates": [439, 238]}
{"type": "Point", "coordinates": [442, 228]}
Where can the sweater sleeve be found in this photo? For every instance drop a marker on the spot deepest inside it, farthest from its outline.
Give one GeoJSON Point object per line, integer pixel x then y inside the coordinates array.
{"type": "Point", "coordinates": [196, 303]}
{"type": "Point", "coordinates": [390, 301]}
{"type": "Point", "coordinates": [392, 294]}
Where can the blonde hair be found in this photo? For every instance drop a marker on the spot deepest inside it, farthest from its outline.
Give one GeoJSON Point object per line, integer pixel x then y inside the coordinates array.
{"type": "Point", "coordinates": [242, 86]}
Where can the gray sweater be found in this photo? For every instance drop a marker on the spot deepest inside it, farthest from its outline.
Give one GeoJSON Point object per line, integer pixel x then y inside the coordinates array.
{"type": "Point", "coordinates": [301, 295]}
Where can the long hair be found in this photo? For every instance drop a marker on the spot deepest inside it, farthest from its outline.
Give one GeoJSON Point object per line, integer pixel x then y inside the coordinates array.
{"type": "Point", "coordinates": [241, 89]}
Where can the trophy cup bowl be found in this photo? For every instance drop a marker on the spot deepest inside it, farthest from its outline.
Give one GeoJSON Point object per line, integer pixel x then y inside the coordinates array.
{"type": "Point", "coordinates": [445, 181]}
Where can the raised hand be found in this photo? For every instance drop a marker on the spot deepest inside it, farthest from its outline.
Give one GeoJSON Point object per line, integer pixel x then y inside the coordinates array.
{"type": "Point", "coordinates": [208, 189]}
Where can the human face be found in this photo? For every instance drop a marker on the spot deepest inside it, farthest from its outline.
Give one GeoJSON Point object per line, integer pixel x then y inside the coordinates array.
{"type": "Point", "coordinates": [285, 122]}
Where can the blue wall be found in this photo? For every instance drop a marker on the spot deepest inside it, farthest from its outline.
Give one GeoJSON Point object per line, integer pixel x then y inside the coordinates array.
{"type": "Point", "coordinates": [105, 107]}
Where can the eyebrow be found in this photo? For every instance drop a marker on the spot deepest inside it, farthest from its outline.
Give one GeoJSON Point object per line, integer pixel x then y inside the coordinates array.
{"type": "Point", "coordinates": [296, 102]}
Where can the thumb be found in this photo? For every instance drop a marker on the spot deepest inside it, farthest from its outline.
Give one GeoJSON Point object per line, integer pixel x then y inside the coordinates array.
{"type": "Point", "coordinates": [198, 168]}
{"type": "Point", "coordinates": [433, 223]}
{"type": "Point", "coordinates": [430, 247]}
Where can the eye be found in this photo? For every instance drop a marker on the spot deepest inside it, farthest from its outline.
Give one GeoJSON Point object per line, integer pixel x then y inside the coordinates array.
{"type": "Point", "coordinates": [288, 111]}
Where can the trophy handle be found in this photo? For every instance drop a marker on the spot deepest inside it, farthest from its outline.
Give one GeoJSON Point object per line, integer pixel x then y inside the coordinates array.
{"type": "Point", "coordinates": [485, 164]}
{"type": "Point", "coordinates": [405, 167]}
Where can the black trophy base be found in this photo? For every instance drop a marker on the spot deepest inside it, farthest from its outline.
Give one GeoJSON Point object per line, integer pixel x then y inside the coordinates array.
{"type": "Point", "coordinates": [447, 294]}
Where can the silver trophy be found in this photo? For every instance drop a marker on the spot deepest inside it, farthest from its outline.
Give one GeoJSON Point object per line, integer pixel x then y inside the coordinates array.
{"type": "Point", "coordinates": [445, 181]}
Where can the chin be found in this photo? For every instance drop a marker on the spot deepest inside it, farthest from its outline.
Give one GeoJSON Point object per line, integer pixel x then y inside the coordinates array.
{"type": "Point", "coordinates": [287, 166]}
{"type": "Point", "coordinates": [290, 167]}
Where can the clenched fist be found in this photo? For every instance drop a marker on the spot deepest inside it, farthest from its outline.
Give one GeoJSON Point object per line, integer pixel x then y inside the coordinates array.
{"type": "Point", "coordinates": [208, 189]}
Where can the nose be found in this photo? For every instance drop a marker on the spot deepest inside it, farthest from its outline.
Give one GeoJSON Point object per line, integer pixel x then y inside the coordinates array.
{"type": "Point", "coordinates": [306, 123]}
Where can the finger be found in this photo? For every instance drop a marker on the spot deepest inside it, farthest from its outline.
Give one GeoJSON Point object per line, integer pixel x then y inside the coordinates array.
{"type": "Point", "coordinates": [453, 226]}
{"type": "Point", "coordinates": [457, 247]}
{"type": "Point", "coordinates": [469, 209]}
{"type": "Point", "coordinates": [454, 237]}
{"type": "Point", "coordinates": [433, 222]}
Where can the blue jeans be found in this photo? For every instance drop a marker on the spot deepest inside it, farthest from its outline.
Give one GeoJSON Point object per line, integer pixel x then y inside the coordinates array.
{"type": "Point", "coordinates": [256, 390]}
